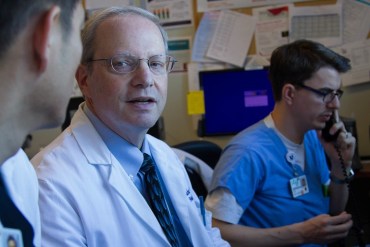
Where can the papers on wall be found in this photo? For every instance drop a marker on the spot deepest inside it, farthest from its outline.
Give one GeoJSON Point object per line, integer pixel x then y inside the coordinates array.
{"type": "Point", "coordinates": [173, 13]}
{"type": "Point", "coordinates": [180, 49]}
{"type": "Point", "coordinates": [256, 62]}
{"type": "Point", "coordinates": [272, 28]}
{"type": "Point", "coordinates": [321, 23]}
{"type": "Point", "coordinates": [208, 5]}
{"type": "Point", "coordinates": [359, 54]}
{"type": "Point", "coordinates": [96, 4]}
{"type": "Point", "coordinates": [356, 16]}
{"type": "Point", "coordinates": [203, 36]}
{"type": "Point", "coordinates": [232, 38]}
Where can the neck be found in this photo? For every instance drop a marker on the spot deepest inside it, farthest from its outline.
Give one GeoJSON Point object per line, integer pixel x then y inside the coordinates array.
{"type": "Point", "coordinates": [16, 121]}
{"type": "Point", "coordinates": [10, 142]}
{"type": "Point", "coordinates": [287, 125]}
{"type": "Point", "coordinates": [131, 134]}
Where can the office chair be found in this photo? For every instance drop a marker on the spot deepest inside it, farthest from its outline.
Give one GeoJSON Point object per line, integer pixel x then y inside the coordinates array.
{"type": "Point", "coordinates": [71, 109]}
{"type": "Point", "coordinates": [207, 151]}
{"type": "Point", "coordinates": [199, 158]}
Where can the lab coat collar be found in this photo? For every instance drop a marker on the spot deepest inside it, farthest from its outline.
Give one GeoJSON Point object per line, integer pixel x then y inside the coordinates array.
{"type": "Point", "coordinates": [97, 153]}
{"type": "Point", "coordinates": [89, 140]}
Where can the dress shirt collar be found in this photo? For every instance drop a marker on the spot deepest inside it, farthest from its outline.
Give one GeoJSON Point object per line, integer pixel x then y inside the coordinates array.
{"type": "Point", "coordinates": [128, 155]}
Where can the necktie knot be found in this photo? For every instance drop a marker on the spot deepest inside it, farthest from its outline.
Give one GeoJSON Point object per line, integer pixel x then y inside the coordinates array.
{"type": "Point", "coordinates": [147, 164]}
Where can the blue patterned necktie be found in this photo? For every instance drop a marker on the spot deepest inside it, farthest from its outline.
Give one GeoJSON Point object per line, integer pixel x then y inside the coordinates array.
{"type": "Point", "coordinates": [157, 201]}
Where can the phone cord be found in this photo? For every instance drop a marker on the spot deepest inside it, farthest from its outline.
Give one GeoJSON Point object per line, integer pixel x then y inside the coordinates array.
{"type": "Point", "coordinates": [351, 197]}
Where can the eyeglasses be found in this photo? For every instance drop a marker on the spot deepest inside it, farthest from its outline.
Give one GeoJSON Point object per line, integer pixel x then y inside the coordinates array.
{"type": "Point", "coordinates": [124, 63]}
{"type": "Point", "coordinates": [328, 95]}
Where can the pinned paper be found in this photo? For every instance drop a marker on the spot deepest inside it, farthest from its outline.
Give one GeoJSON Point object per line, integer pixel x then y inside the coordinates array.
{"type": "Point", "coordinates": [195, 101]}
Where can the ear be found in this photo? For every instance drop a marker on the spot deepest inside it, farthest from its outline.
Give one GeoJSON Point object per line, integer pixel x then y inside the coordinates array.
{"type": "Point", "coordinates": [82, 75]}
{"type": "Point", "coordinates": [81, 78]}
{"type": "Point", "coordinates": [288, 93]}
{"type": "Point", "coordinates": [42, 36]}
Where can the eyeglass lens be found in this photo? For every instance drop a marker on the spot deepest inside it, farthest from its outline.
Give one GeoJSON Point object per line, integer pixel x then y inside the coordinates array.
{"type": "Point", "coordinates": [330, 96]}
{"type": "Point", "coordinates": [158, 64]}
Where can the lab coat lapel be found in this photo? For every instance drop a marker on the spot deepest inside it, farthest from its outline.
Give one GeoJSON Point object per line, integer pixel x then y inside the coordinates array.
{"type": "Point", "coordinates": [98, 154]}
{"type": "Point", "coordinates": [126, 189]}
{"type": "Point", "coordinates": [171, 175]}
{"type": "Point", "coordinates": [180, 191]}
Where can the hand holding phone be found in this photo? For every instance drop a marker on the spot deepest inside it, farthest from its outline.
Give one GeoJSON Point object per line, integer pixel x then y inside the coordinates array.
{"type": "Point", "coordinates": [325, 131]}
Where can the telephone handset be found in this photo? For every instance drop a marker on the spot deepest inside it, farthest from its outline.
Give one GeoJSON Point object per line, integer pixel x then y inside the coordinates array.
{"type": "Point", "coordinates": [325, 131]}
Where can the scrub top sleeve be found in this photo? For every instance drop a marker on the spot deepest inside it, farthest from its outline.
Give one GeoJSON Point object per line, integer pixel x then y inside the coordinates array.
{"type": "Point", "coordinates": [240, 171]}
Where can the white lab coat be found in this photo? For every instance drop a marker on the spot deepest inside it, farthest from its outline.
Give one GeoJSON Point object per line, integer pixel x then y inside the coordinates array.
{"type": "Point", "coordinates": [21, 182]}
{"type": "Point", "coordinates": [87, 199]}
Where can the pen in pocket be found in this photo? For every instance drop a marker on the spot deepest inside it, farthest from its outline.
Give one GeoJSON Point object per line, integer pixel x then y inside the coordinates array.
{"type": "Point", "coordinates": [202, 209]}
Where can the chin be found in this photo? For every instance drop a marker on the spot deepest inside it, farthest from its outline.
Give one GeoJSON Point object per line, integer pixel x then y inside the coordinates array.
{"type": "Point", "coordinates": [319, 126]}
{"type": "Point", "coordinates": [150, 124]}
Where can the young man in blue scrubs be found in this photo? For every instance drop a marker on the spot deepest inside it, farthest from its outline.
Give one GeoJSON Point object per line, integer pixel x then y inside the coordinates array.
{"type": "Point", "coordinates": [40, 51]}
{"type": "Point", "coordinates": [272, 185]}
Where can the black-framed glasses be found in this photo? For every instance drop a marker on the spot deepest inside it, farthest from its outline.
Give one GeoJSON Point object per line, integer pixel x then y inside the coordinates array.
{"type": "Point", "coordinates": [125, 63]}
{"type": "Point", "coordinates": [328, 95]}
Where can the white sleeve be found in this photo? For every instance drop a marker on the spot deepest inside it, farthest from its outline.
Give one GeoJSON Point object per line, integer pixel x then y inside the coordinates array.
{"type": "Point", "coordinates": [223, 206]}
{"type": "Point", "coordinates": [215, 233]}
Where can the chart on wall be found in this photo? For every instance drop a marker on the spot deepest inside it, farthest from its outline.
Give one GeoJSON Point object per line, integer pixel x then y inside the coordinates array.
{"type": "Point", "coordinates": [96, 4]}
{"type": "Point", "coordinates": [209, 5]}
{"type": "Point", "coordinates": [172, 13]}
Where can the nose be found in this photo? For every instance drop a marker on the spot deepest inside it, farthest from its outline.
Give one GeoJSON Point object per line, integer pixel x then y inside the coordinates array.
{"type": "Point", "coordinates": [143, 76]}
{"type": "Point", "coordinates": [335, 103]}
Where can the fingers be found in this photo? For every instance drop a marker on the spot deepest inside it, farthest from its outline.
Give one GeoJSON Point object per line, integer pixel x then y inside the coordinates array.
{"type": "Point", "coordinates": [346, 141]}
{"type": "Point", "coordinates": [340, 226]}
{"type": "Point", "coordinates": [325, 228]}
{"type": "Point", "coordinates": [343, 221]}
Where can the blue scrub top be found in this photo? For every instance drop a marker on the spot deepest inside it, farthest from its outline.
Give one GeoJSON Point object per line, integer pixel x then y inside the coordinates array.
{"type": "Point", "coordinates": [255, 170]}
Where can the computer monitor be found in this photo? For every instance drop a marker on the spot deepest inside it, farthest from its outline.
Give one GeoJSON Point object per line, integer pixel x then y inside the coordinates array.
{"type": "Point", "coordinates": [234, 100]}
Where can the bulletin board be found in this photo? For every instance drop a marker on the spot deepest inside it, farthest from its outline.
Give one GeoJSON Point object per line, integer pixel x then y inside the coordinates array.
{"type": "Point", "coordinates": [249, 11]}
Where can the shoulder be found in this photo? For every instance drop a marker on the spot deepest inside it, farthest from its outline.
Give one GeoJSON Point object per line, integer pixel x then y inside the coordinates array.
{"type": "Point", "coordinates": [254, 140]}
{"type": "Point", "coordinates": [252, 134]}
{"type": "Point", "coordinates": [18, 170]}
{"type": "Point", "coordinates": [21, 182]}
{"type": "Point", "coordinates": [62, 143]}
{"type": "Point", "coordinates": [160, 146]}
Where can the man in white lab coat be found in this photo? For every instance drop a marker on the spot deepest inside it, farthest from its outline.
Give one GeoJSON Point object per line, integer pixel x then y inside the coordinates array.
{"type": "Point", "coordinates": [91, 190]}
{"type": "Point", "coordinates": [40, 49]}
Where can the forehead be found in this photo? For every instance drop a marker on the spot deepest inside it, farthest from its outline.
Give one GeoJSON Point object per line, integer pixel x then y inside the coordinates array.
{"type": "Point", "coordinates": [128, 33]}
{"type": "Point", "coordinates": [325, 77]}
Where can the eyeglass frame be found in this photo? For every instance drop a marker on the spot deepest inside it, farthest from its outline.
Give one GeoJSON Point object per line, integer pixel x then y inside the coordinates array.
{"type": "Point", "coordinates": [338, 93]}
{"type": "Point", "coordinates": [170, 59]}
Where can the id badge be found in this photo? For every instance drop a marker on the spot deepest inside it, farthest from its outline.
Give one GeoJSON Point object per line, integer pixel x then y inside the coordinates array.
{"type": "Point", "coordinates": [10, 237]}
{"type": "Point", "coordinates": [299, 186]}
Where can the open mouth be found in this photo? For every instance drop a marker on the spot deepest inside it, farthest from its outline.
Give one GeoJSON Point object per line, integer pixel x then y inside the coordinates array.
{"type": "Point", "coordinates": [144, 100]}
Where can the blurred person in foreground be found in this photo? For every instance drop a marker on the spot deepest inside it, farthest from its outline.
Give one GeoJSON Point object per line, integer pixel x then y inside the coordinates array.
{"type": "Point", "coordinates": [40, 51]}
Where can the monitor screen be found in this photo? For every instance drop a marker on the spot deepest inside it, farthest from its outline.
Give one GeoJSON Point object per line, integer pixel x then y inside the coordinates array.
{"type": "Point", "coordinates": [234, 100]}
